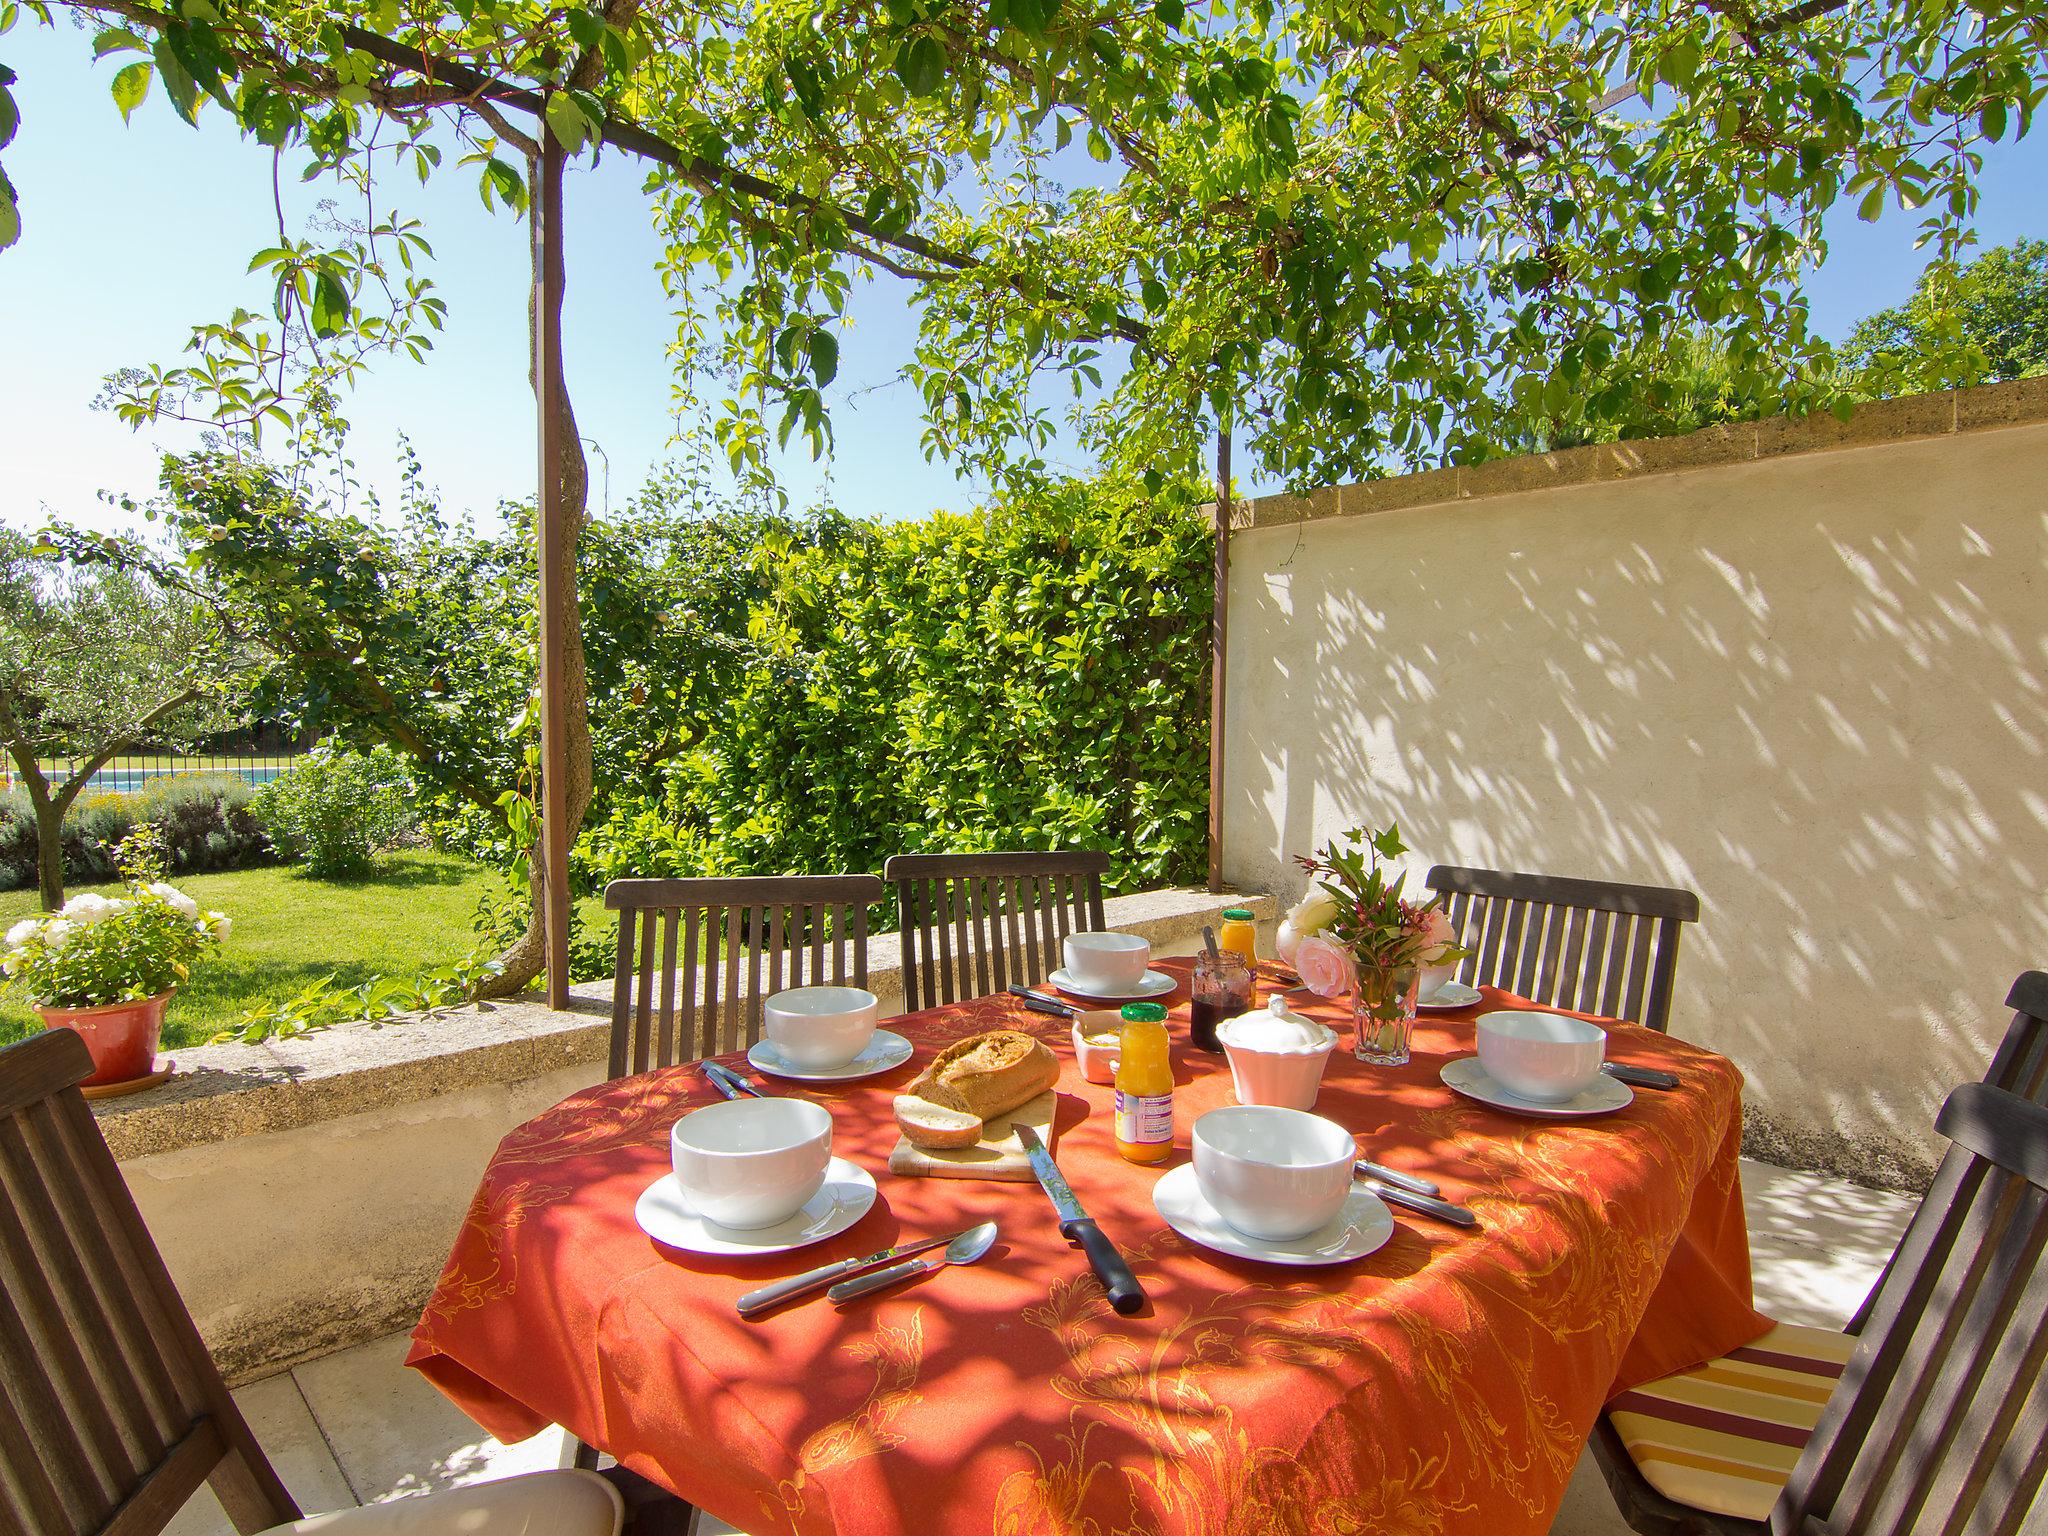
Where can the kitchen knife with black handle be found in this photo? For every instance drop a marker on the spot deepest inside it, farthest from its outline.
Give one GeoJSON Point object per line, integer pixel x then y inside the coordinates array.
{"type": "Point", "coordinates": [1077, 1226]}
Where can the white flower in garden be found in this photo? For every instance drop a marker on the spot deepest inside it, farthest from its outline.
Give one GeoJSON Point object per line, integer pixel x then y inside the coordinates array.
{"type": "Point", "coordinates": [176, 899]}
{"type": "Point", "coordinates": [220, 924]}
{"type": "Point", "coordinates": [89, 907]}
{"type": "Point", "coordinates": [21, 932]}
{"type": "Point", "coordinates": [56, 932]}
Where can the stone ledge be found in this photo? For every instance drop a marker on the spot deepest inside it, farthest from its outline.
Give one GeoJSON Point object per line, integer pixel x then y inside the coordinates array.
{"type": "Point", "coordinates": [223, 1092]}
{"type": "Point", "coordinates": [1988, 407]}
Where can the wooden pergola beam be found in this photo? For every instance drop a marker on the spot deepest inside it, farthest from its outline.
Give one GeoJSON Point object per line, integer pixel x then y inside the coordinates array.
{"type": "Point", "coordinates": [558, 616]}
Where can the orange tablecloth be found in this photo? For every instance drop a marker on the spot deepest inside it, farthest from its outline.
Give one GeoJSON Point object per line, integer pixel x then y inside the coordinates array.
{"type": "Point", "coordinates": [1444, 1384]}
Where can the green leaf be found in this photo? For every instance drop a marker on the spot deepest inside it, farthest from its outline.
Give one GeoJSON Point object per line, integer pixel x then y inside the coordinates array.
{"type": "Point", "coordinates": [922, 66]}
{"type": "Point", "coordinates": [118, 40]}
{"type": "Point", "coordinates": [330, 305]}
{"type": "Point", "coordinates": [571, 125]}
{"type": "Point", "coordinates": [178, 82]}
{"type": "Point", "coordinates": [501, 179]}
{"type": "Point", "coordinates": [131, 85]}
{"type": "Point", "coordinates": [10, 213]}
{"type": "Point", "coordinates": [823, 350]}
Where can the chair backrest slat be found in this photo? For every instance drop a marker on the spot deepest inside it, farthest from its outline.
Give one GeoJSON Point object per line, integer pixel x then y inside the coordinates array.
{"type": "Point", "coordinates": [1596, 946]}
{"type": "Point", "coordinates": [741, 941]}
{"type": "Point", "coordinates": [1940, 1421]}
{"type": "Point", "coordinates": [976, 923]}
{"type": "Point", "coordinates": [111, 1411]}
{"type": "Point", "coordinates": [2019, 1065]}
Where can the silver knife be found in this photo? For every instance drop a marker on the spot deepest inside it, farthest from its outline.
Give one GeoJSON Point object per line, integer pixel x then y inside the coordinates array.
{"type": "Point", "coordinates": [1077, 1226]}
{"type": "Point", "coordinates": [718, 1079]}
{"type": "Point", "coordinates": [1427, 1205]}
{"type": "Point", "coordinates": [1414, 1183]}
{"type": "Point", "coordinates": [775, 1294]}
{"type": "Point", "coordinates": [730, 1082]}
{"type": "Point", "coordinates": [1038, 1002]}
{"type": "Point", "coordinates": [1640, 1077]}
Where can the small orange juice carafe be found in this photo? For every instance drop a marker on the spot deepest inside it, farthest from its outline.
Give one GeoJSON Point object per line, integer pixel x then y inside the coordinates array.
{"type": "Point", "coordinates": [1144, 1086]}
{"type": "Point", "coordinates": [1240, 933]}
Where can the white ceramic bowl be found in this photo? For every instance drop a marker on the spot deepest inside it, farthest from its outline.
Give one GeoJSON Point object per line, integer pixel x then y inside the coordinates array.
{"type": "Point", "coordinates": [1287, 1076]}
{"type": "Point", "coordinates": [1274, 1174]}
{"type": "Point", "coordinates": [819, 1028]}
{"type": "Point", "coordinates": [1098, 1062]}
{"type": "Point", "coordinates": [751, 1162]}
{"type": "Point", "coordinates": [1108, 962]}
{"type": "Point", "coordinates": [1432, 979]}
{"type": "Point", "coordinates": [1544, 1057]}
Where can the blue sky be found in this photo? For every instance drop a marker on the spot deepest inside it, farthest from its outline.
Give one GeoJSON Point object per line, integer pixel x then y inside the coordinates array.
{"type": "Point", "coordinates": [132, 234]}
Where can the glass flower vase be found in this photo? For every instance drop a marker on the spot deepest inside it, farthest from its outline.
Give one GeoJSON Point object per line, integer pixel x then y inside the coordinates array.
{"type": "Point", "coordinates": [1383, 1009]}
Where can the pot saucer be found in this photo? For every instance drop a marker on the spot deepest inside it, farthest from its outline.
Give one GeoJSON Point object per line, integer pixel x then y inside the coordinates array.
{"type": "Point", "coordinates": [164, 1068]}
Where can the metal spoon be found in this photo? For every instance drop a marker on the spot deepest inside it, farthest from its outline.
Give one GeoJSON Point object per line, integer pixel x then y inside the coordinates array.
{"type": "Point", "coordinates": [964, 1249]}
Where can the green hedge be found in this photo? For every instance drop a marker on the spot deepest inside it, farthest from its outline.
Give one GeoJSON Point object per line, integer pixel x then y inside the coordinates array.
{"type": "Point", "coordinates": [205, 819]}
{"type": "Point", "coordinates": [1031, 677]}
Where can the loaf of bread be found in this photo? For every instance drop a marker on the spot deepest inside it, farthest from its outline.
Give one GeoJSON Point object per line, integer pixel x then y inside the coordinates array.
{"type": "Point", "coordinates": [973, 1080]}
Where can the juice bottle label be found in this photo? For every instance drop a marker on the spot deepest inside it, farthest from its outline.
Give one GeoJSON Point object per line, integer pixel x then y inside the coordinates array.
{"type": "Point", "coordinates": [1144, 1119]}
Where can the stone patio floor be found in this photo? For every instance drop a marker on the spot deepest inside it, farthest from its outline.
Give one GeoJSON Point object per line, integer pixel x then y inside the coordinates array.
{"type": "Point", "coordinates": [357, 1427]}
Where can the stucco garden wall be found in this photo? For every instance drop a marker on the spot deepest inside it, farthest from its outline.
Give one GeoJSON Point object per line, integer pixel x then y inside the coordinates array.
{"type": "Point", "coordinates": [1800, 667]}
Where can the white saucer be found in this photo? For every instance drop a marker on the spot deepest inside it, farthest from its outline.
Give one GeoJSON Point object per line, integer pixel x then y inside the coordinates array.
{"type": "Point", "coordinates": [1154, 984]}
{"type": "Point", "coordinates": [884, 1053]}
{"type": "Point", "coordinates": [1452, 994]}
{"type": "Point", "coordinates": [665, 1215]}
{"type": "Point", "coordinates": [1466, 1076]}
{"type": "Point", "coordinates": [1363, 1225]}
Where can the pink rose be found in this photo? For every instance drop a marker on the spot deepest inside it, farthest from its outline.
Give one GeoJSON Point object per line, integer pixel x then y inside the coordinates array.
{"type": "Point", "coordinates": [1437, 933]}
{"type": "Point", "coordinates": [1326, 969]}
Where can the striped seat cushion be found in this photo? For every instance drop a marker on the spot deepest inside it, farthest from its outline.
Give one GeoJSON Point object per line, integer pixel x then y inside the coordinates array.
{"type": "Point", "coordinates": [1723, 1437]}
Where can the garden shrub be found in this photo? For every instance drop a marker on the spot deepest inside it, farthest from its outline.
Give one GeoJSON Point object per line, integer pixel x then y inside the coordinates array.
{"type": "Point", "coordinates": [336, 809]}
{"type": "Point", "coordinates": [1034, 676]}
{"type": "Point", "coordinates": [204, 819]}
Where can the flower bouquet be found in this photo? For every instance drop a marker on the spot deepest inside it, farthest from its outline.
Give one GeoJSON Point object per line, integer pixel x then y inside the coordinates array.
{"type": "Point", "coordinates": [106, 966]}
{"type": "Point", "coordinates": [1355, 932]}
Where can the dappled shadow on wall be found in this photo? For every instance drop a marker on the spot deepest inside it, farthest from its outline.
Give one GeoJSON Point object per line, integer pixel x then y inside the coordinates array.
{"type": "Point", "coordinates": [1815, 690]}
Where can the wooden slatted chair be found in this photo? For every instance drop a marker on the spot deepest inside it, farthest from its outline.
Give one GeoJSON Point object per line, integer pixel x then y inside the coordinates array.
{"type": "Point", "coordinates": [977, 923]}
{"type": "Point", "coordinates": [112, 1413]}
{"type": "Point", "coordinates": [2019, 1065]}
{"type": "Point", "coordinates": [1935, 1419]}
{"type": "Point", "coordinates": [1596, 946]}
{"type": "Point", "coordinates": [741, 940]}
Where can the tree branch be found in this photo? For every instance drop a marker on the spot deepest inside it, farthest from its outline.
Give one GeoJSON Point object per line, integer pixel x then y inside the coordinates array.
{"type": "Point", "coordinates": [700, 173]}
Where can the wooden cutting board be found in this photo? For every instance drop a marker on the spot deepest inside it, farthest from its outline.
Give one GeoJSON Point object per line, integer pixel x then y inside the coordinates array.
{"type": "Point", "coordinates": [998, 1155]}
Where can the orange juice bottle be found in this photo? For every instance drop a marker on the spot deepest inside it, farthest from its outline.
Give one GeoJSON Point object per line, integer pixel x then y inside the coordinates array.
{"type": "Point", "coordinates": [1144, 1086]}
{"type": "Point", "coordinates": [1240, 933]}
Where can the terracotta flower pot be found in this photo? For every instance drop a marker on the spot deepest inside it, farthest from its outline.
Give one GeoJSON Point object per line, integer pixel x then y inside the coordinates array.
{"type": "Point", "coordinates": [122, 1037]}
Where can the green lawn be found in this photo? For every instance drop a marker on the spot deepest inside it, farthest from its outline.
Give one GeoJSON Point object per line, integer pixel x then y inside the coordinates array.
{"type": "Point", "coordinates": [290, 930]}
